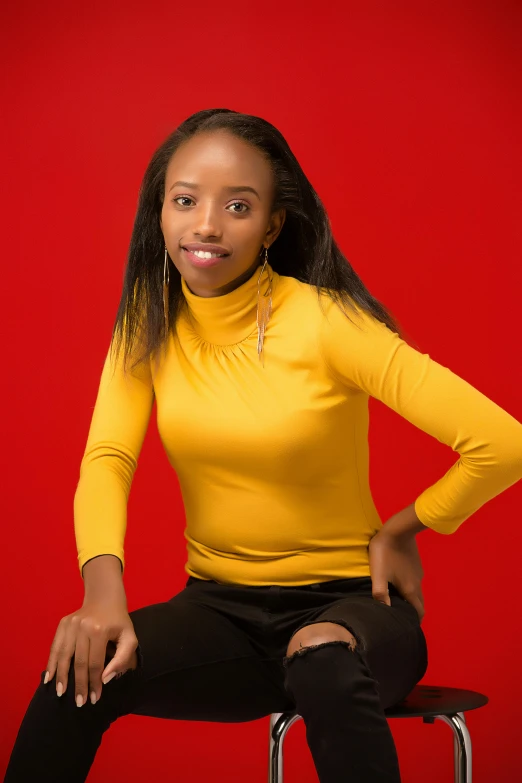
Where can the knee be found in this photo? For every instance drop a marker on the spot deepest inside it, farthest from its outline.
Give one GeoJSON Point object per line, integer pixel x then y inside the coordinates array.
{"type": "Point", "coordinates": [322, 675]}
{"type": "Point", "coordinates": [318, 635]}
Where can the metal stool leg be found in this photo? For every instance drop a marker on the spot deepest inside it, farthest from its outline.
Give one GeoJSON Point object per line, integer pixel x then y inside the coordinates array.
{"type": "Point", "coordinates": [280, 722]}
{"type": "Point", "coordinates": [461, 746]}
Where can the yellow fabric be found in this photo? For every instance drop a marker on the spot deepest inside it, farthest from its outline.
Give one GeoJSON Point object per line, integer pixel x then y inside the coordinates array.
{"type": "Point", "coordinates": [273, 462]}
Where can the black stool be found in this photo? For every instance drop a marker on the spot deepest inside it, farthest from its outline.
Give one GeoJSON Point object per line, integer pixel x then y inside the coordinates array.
{"type": "Point", "coordinates": [427, 702]}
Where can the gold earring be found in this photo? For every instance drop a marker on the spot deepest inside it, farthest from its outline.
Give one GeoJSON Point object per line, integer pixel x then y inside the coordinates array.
{"type": "Point", "coordinates": [166, 292]}
{"type": "Point", "coordinates": [264, 310]}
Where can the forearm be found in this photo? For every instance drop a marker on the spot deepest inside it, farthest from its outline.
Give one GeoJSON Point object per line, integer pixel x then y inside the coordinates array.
{"type": "Point", "coordinates": [103, 579]}
{"type": "Point", "coordinates": [404, 523]}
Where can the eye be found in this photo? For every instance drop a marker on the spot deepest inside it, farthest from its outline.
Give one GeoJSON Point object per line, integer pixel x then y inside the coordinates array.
{"type": "Point", "coordinates": [242, 204]}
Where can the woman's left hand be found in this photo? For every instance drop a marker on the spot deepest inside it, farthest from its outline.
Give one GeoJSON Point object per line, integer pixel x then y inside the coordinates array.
{"type": "Point", "coordinates": [396, 559]}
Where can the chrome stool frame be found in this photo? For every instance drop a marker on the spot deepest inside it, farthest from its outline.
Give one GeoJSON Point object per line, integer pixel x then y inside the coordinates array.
{"type": "Point", "coordinates": [427, 702]}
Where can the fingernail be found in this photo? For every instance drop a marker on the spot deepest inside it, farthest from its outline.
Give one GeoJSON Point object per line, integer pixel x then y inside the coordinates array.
{"type": "Point", "coordinates": [93, 697]}
{"type": "Point", "coordinates": [109, 678]}
{"type": "Point", "coordinates": [79, 700]}
{"type": "Point", "coordinates": [46, 680]}
{"type": "Point", "coordinates": [59, 689]}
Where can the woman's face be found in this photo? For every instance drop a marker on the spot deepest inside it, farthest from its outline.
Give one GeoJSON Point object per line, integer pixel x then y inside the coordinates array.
{"type": "Point", "coordinates": [210, 200]}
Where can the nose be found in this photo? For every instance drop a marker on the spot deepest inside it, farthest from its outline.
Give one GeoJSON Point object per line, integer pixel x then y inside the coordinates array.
{"type": "Point", "coordinates": [206, 222]}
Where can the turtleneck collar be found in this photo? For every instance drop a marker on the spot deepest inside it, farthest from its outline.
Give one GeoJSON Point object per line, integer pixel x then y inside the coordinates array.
{"type": "Point", "coordinates": [230, 318]}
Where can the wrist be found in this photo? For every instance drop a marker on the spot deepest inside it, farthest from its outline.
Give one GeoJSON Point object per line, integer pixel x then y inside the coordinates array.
{"type": "Point", "coordinates": [103, 580]}
{"type": "Point", "coordinates": [105, 594]}
{"type": "Point", "coordinates": [404, 524]}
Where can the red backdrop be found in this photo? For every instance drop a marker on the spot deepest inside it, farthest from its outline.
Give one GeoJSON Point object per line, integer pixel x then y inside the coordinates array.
{"type": "Point", "coordinates": [407, 119]}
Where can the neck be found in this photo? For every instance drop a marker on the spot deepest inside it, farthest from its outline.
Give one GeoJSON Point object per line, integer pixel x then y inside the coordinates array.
{"type": "Point", "coordinates": [229, 318]}
{"type": "Point", "coordinates": [229, 287]}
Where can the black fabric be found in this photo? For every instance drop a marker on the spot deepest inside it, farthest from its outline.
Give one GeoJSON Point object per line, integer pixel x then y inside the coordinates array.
{"type": "Point", "coordinates": [346, 728]}
{"type": "Point", "coordinates": [216, 652]}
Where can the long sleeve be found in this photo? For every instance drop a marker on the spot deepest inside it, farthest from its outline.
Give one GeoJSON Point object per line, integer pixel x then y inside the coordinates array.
{"type": "Point", "coordinates": [368, 357]}
{"type": "Point", "coordinates": [117, 431]}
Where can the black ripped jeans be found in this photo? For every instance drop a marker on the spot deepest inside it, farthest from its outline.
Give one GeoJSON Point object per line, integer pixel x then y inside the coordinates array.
{"type": "Point", "coordinates": [217, 652]}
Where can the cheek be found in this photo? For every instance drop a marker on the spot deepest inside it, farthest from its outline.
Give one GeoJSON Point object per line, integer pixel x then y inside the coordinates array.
{"type": "Point", "coordinates": [168, 228]}
{"type": "Point", "coordinates": [164, 218]}
{"type": "Point", "coordinates": [247, 232]}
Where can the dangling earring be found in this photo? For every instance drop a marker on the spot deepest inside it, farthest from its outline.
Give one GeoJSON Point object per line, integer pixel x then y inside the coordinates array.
{"type": "Point", "coordinates": [166, 292]}
{"type": "Point", "coordinates": [264, 310]}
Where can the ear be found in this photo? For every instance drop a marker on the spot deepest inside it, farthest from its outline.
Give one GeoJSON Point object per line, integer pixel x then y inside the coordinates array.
{"type": "Point", "coordinates": [277, 220]}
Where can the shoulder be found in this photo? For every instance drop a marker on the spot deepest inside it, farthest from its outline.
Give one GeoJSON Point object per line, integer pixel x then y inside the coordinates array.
{"type": "Point", "coordinates": [327, 311]}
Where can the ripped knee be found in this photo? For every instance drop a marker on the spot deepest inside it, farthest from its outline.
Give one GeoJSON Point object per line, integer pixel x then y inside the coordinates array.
{"type": "Point", "coordinates": [351, 645]}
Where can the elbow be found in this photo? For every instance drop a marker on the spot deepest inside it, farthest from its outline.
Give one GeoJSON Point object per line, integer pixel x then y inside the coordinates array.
{"type": "Point", "coordinates": [105, 464]}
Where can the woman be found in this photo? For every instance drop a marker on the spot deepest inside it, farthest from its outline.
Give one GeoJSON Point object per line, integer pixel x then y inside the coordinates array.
{"type": "Point", "coordinates": [261, 345]}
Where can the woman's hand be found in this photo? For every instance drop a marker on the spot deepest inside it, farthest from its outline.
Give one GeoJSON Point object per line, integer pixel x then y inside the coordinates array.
{"type": "Point", "coordinates": [85, 634]}
{"type": "Point", "coordinates": [395, 558]}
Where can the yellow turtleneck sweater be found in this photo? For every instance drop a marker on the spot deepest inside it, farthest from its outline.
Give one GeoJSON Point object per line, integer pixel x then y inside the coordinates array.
{"type": "Point", "coordinates": [273, 461]}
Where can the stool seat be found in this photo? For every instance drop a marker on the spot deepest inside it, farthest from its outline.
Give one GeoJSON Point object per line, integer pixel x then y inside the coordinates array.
{"type": "Point", "coordinates": [429, 701]}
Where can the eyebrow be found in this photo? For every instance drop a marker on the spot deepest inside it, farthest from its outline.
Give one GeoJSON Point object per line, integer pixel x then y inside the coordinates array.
{"type": "Point", "coordinates": [230, 189]}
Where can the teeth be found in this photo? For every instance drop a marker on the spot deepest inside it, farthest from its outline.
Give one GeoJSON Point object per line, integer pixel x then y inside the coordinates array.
{"type": "Point", "coordinates": [203, 254]}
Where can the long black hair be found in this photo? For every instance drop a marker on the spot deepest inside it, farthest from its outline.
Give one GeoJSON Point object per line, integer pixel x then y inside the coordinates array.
{"type": "Point", "coordinates": [305, 248]}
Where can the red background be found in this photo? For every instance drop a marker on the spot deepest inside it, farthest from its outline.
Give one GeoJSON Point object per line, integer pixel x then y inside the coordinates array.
{"type": "Point", "coordinates": [407, 119]}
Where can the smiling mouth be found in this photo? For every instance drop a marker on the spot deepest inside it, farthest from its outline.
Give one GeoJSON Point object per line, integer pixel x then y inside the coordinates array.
{"type": "Point", "coordinates": [212, 253]}
{"type": "Point", "coordinates": [198, 261]}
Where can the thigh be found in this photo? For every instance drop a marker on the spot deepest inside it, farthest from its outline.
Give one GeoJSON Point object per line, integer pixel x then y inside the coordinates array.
{"type": "Point", "coordinates": [195, 664]}
{"type": "Point", "coordinates": [390, 639]}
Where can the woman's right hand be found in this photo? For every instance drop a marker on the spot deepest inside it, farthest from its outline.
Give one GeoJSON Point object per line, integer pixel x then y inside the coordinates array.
{"type": "Point", "coordinates": [85, 634]}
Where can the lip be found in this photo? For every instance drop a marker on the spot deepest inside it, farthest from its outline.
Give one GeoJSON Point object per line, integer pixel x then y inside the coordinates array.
{"type": "Point", "coordinates": [204, 262]}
